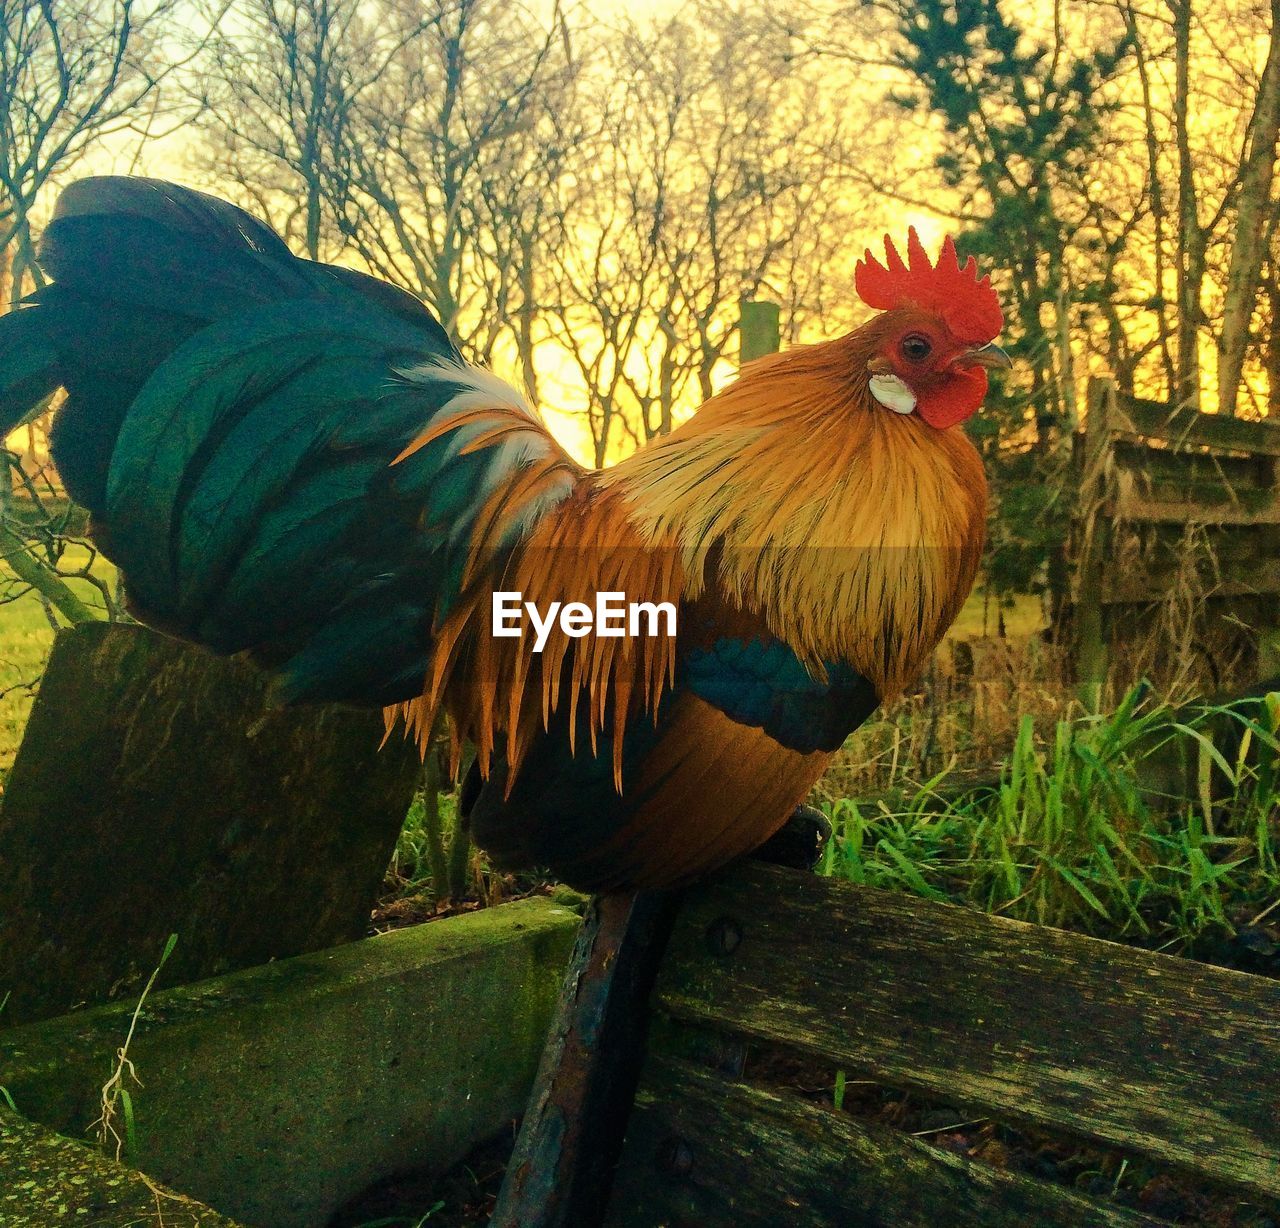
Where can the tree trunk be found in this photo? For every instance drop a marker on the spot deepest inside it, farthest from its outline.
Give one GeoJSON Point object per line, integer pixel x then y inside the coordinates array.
{"type": "Point", "coordinates": [1159, 211]}
{"type": "Point", "coordinates": [1191, 236]}
{"type": "Point", "coordinates": [600, 434]}
{"type": "Point", "coordinates": [525, 320]}
{"type": "Point", "coordinates": [667, 376]}
{"type": "Point", "coordinates": [1252, 208]}
{"type": "Point", "coordinates": [1271, 355]}
{"type": "Point", "coordinates": [1066, 362]}
{"type": "Point", "coordinates": [23, 264]}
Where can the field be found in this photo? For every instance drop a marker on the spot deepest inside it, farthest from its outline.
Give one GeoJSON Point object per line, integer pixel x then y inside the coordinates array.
{"type": "Point", "coordinates": [26, 636]}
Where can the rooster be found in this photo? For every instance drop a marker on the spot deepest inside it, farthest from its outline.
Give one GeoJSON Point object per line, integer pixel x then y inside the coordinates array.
{"type": "Point", "coordinates": [293, 460]}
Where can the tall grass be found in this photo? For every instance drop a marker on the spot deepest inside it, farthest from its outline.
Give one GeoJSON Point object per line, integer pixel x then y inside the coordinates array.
{"type": "Point", "coordinates": [1149, 823]}
{"type": "Point", "coordinates": [966, 710]}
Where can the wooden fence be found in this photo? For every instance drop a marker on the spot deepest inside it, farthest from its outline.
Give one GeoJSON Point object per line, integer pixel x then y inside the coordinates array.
{"type": "Point", "coordinates": [1179, 514]}
{"type": "Point", "coordinates": [1169, 1061]}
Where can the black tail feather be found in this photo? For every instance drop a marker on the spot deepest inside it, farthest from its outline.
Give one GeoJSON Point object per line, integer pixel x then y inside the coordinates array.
{"type": "Point", "coordinates": [231, 418]}
{"type": "Point", "coordinates": [139, 266]}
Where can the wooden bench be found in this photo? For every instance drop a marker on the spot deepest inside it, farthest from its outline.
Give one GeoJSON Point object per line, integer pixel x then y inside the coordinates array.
{"type": "Point", "coordinates": [1156, 1056]}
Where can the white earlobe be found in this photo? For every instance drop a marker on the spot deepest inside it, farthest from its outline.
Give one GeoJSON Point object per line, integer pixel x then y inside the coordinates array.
{"type": "Point", "coordinates": [892, 393]}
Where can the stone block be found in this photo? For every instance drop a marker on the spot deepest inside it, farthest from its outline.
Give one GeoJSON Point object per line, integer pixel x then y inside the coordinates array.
{"type": "Point", "coordinates": [278, 1093]}
{"type": "Point", "coordinates": [159, 790]}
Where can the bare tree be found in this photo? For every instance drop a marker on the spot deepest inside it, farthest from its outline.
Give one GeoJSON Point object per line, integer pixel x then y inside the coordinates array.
{"type": "Point", "coordinates": [73, 74]}
{"type": "Point", "coordinates": [447, 160]}
{"type": "Point", "coordinates": [1210, 118]}
{"type": "Point", "coordinates": [1157, 199]}
{"type": "Point", "coordinates": [515, 206]}
{"type": "Point", "coordinates": [601, 276]}
{"type": "Point", "coordinates": [719, 170]}
{"type": "Point", "coordinates": [279, 85]}
{"type": "Point", "coordinates": [1192, 232]}
{"type": "Point", "coordinates": [415, 138]}
{"type": "Point", "coordinates": [76, 76]}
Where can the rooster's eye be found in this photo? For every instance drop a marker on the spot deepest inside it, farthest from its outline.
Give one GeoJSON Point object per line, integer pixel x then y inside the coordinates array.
{"type": "Point", "coordinates": [916, 348]}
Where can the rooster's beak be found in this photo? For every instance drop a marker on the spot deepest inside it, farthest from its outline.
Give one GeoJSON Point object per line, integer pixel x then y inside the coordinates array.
{"type": "Point", "coordinates": [986, 356]}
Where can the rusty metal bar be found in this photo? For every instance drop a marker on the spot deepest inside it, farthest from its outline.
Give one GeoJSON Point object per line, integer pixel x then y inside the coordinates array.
{"type": "Point", "coordinates": [562, 1168]}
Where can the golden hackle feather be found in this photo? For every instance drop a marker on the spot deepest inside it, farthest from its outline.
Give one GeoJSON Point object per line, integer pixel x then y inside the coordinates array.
{"type": "Point", "coordinates": [854, 532]}
{"type": "Point", "coordinates": [850, 532]}
{"type": "Point", "coordinates": [498, 687]}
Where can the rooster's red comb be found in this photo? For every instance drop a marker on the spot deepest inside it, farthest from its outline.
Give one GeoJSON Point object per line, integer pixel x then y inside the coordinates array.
{"type": "Point", "coordinates": [969, 307]}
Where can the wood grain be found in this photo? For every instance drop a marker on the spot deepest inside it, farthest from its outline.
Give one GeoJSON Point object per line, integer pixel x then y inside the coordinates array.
{"type": "Point", "coordinates": [703, 1151]}
{"type": "Point", "coordinates": [1136, 509]}
{"type": "Point", "coordinates": [1138, 418]}
{"type": "Point", "coordinates": [1173, 1059]}
{"type": "Point", "coordinates": [1135, 587]}
{"type": "Point", "coordinates": [560, 1172]}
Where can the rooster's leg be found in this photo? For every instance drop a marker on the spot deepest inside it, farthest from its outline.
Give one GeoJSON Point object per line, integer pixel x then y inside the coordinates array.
{"type": "Point", "coordinates": [799, 842]}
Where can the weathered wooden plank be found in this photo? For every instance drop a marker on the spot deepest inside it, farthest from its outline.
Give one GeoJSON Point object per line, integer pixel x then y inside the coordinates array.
{"type": "Point", "coordinates": [1186, 485]}
{"type": "Point", "coordinates": [1134, 591]}
{"type": "Point", "coordinates": [1178, 1060]}
{"type": "Point", "coordinates": [701, 1150]}
{"type": "Point", "coordinates": [560, 1172]}
{"type": "Point", "coordinates": [1242, 566]}
{"type": "Point", "coordinates": [1138, 418]}
{"type": "Point", "coordinates": [1138, 587]}
{"type": "Point", "coordinates": [1160, 465]}
{"type": "Point", "coordinates": [393, 1054]}
{"type": "Point", "coordinates": [1142, 510]}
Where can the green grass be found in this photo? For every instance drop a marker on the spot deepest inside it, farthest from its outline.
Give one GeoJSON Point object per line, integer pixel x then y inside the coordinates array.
{"type": "Point", "coordinates": [420, 859]}
{"type": "Point", "coordinates": [26, 637]}
{"type": "Point", "coordinates": [1090, 827]}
